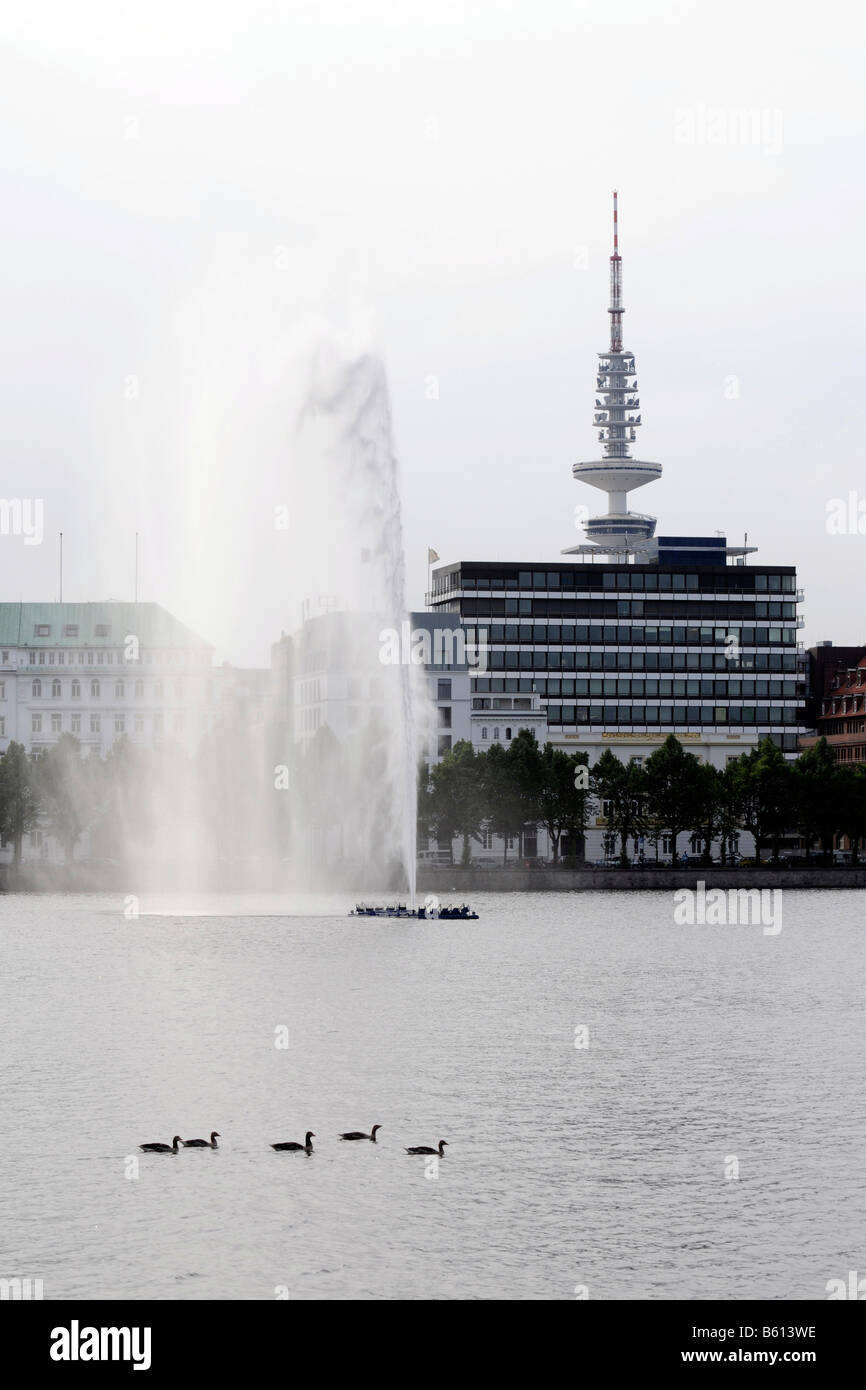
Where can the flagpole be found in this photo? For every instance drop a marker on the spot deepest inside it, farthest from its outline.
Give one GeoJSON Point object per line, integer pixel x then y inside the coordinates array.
{"type": "Point", "coordinates": [432, 556]}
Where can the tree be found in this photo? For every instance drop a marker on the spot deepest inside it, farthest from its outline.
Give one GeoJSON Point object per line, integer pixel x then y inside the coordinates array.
{"type": "Point", "coordinates": [816, 801]}
{"type": "Point", "coordinates": [527, 777]}
{"type": "Point", "coordinates": [575, 823]}
{"type": "Point", "coordinates": [561, 801]}
{"type": "Point", "coordinates": [708, 808]}
{"type": "Point", "coordinates": [621, 787]}
{"type": "Point", "coordinates": [65, 785]}
{"type": "Point", "coordinates": [672, 785]}
{"type": "Point", "coordinates": [19, 801]}
{"type": "Point", "coordinates": [504, 811]}
{"type": "Point", "coordinates": [728, 815]}
{"type": "Point", "coordinates": [457, 797]}
{"type": "Point", "coordinates": [764, 782]}
{"type": "Point", "coordinates": [851, 797]}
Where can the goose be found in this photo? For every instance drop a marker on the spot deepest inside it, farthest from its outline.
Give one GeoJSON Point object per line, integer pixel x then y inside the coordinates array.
{"type": "Point", "coordinates": [162, 1148]}
{"type": "Point", "coordinates": [359, 1134]}
{"type": "Point", "coordinates": [422, 1149]}
{"type": "Point", "coordinates": [306, 1147]}
{"type": "Point", "coordinates": [203, 1143]}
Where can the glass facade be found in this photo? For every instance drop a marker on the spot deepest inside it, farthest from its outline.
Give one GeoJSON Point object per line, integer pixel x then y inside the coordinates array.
{"type": "Point", "coordinates": [637, 647]}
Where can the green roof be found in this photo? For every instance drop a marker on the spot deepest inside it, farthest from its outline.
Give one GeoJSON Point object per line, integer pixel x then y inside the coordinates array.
{"type": "Point", "coordinates": [92, 625]}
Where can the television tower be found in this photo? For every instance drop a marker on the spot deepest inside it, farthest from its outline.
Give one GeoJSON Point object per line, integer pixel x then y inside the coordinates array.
{"type": "Point", "coordinates": [617, 416]}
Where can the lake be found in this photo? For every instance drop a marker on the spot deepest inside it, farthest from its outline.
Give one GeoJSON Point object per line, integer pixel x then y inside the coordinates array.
{"type": "Point", "coordinates": [634, 1108]}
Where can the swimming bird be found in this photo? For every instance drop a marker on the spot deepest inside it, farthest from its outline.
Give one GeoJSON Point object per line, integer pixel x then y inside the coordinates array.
{"type": "Point", "coordinates": [162, 1148]}
{"type": "Point", "coordinates": [295, 1148]}
{"type": "Point", "coordinates": [203, 1143]}
{"type": "Point", "coordinates": [359, 1134]}
{"type": "Point", "coordinates": [422, 1149]}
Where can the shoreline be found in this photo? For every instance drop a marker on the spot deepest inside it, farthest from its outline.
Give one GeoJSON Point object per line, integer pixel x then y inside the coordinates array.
{"type": "Point", "coordinates": [446, 879]}
{"type": "Point", "coordinates": [442, 880]}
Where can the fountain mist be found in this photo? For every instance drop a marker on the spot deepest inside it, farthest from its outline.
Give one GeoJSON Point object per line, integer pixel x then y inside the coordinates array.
{"type": "Point", "coordinates": [307, 774]}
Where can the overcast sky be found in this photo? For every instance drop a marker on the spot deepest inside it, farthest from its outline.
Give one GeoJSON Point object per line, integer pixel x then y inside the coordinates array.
{"type": "Point", "coordinates": [187, 185]}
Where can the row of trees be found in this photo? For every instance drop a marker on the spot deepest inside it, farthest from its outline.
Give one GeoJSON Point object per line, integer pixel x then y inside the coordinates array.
{"type": "Point", "coordinates": [65, 794]}
{"type": "Point", "coordinates": [670, 793]}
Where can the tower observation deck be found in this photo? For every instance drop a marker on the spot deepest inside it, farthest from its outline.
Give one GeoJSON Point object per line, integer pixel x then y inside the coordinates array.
{"type": "Point", "coordinates": [617, 417]}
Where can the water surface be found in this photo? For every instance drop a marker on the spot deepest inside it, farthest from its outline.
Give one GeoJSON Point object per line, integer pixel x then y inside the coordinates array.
{"type": "Point", "coordinates": [709, 1048]}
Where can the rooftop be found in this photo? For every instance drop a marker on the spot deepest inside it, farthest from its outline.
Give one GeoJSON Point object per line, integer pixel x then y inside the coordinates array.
{"type": "Point", "coordinates": [92, 625]}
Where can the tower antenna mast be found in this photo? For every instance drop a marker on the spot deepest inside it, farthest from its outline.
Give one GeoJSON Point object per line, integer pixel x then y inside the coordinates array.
{"type": "Point", "coordinates": [616, 310]}
{"type": "Point", "coordinates": [620, 532]}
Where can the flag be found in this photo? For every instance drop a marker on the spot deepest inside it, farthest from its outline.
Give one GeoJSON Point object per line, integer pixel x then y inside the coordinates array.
{"type": "Point", "coordinates": [431, 556]}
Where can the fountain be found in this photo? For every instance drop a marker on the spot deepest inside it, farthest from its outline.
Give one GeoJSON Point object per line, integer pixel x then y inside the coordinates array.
{"type": "Point", "coordinates": [313, 787]}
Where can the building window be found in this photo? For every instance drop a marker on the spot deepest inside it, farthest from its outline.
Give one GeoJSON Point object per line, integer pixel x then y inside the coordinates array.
{"type": "Point", "coordinates": [443, 690]}
{"type": "Point", "coordinates": [445, 717]}
{"type": "Point", "coordinates": [32, 658]}
{"type": "Point", "coordinates": [43, 630]}
{"type": "Point", "coordinates": [70, 630]}
{"type": "Point", "coordinates": [157, 723]}
{"type": "Point", "coordinates": [95, 724]}
{"type": "Point", "coordinates": [484, 732]}
{"type": "Point", "coordinates": [5, 658]}
{"type": "Point", "coordinates": [444, 744]}
{"type": "Point", "coordinates": [37, 688]}
{"type": "Point", "coordinates": [101, 630]}
{"type": "Point", "coordinates": [56, 723]}
{"type": "Point", "coordinates": [55, 690]}
{"type": "Point", "coordinates": [507, 735]}
{"type": "Point", "coordinates": [76, 689]}
{"type": "Point", "coordinates": [139, 689]}
{"type": "Point", "coordinates": [496, 734]}
{"type": "Point", "coordinates": [120, 723]}
{"type": "Point", "coordinates": [75, 723]}
{"type": "Point", "coordinates": [139, 723]}
{"type": "Point", "coordinates": [2, 690]}
{"type": "Point", "coordinates": [36, 723]}
{"type": "Point", "coordinates": [94, 690]}
{"type": "Point", "coordinates": [157, 690]}
{"type": "Point", "coordinates": [2, 726]}
{"type": "Point", "coordinates": [119, 690]}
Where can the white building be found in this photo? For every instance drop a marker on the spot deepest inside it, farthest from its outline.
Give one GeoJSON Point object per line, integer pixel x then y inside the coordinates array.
{"type": "Point", "coordinates": [101, 671]}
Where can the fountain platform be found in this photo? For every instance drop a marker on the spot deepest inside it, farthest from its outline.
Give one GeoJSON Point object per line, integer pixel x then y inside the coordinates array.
{"type": "Point", "coordinates": [463, 913]}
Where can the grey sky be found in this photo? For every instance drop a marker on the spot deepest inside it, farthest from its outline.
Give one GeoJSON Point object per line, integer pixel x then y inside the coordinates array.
{"type": "Point", "coordinates": [185, 184]}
